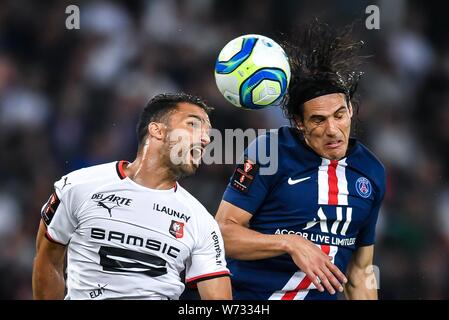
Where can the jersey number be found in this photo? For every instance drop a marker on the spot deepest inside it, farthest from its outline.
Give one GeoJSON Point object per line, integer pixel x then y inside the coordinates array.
{"type": "Point", "coordinates": [124, 260]}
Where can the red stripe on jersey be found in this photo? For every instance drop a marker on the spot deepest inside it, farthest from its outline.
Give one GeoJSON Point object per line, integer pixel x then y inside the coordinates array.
{"type": "Point", "coordinates": [333, 182]}
{"type": "Point", "coordinates": [326, 249]}
{"type": "Point", "coordinates": [49, 238]}
{"type": "Point", "coordinates": [305, 283]}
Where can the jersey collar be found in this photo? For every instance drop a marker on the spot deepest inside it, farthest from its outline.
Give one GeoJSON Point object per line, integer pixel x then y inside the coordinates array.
{"type": "Point", "coordinates": [119, 167]}
{"type": "Point", "coordinates": [121, 172]}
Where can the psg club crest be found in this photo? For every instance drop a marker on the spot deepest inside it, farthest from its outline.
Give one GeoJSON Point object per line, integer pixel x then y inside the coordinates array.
{"type": "Point", "coordinates": [363, 187]}
{"type": "Point", "coordinates": [176, 229]}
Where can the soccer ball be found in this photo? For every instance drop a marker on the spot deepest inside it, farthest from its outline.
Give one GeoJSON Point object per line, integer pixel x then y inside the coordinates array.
{"type": "Point", "coordinates": [252, 72]}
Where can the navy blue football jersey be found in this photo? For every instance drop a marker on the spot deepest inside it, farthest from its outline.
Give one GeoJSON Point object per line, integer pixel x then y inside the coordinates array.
{"type": "Point", "coordinates": [333, 203]}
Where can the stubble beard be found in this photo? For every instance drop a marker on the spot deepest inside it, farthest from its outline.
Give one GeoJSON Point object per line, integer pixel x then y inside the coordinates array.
{"type": "Point", "coordinates": [178, 171]}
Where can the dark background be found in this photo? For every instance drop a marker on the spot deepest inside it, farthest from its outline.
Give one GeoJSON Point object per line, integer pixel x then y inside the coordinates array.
{"type": "Point", "coordinates": [70, 98]}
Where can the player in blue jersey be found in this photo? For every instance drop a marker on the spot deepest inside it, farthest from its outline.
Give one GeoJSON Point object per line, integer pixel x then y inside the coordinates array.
{"type": "Point", "coordinates": [308, 230]}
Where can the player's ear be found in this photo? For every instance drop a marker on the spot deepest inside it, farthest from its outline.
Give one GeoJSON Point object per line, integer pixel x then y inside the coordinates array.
{"type": "Point", "coordinates": [350, 109]}
{"type": "Point", "coordinates": [299, 124]}
{"type": "Point", "coordinates": [157, 130]}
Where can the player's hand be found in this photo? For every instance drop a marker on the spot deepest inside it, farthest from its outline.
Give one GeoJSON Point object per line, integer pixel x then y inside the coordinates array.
{"type": "Point", "coordinates": [315, 264]}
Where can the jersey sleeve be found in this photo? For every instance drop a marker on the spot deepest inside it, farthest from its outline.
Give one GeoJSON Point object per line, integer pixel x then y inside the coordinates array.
{"type": "Point", "coordinates": [208, 257]}
{"type": "Point", "coordinates": [58, 214]}
{"type": "Point", "coordinates": [367, 233]}
{"type": "Point", "coordinates": [249, 186]}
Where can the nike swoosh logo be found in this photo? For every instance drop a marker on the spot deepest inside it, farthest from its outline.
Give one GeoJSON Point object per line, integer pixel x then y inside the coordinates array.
{"type": "Point", "coordinates": [292, 182]}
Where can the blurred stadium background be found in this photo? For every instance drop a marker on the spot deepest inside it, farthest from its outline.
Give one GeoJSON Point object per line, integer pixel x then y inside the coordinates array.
{"type": "Point", "coordinates": [70, 98]}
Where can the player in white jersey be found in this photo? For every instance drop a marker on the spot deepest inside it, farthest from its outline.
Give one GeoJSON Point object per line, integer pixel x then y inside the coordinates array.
{"type": "Point", "coordinates": [129, 230]}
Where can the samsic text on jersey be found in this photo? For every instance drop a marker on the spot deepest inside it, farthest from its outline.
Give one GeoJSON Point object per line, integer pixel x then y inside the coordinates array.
{"type": "Point", "coordinates": [126, 241]}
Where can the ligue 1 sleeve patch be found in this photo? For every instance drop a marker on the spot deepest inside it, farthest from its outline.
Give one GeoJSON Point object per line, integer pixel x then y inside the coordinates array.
{"type": "Point", "coordinates": [49, 208]}
{"type": "Point", "coordinates": [244, 175]}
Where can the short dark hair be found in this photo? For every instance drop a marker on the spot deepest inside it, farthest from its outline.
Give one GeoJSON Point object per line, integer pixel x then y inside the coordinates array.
{"type": "Point", "coordinates": [160, 106]}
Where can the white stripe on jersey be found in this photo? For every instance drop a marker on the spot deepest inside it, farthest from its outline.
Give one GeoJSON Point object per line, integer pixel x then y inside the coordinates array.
{"type": "Point", "coordinates": [342, 183]}
{"type": "Point", "coordinates": [292, 283]}
{"type": "Point", "coordinates": [347, 222]}
{"type": "Point", "coordinates": [323, 185]}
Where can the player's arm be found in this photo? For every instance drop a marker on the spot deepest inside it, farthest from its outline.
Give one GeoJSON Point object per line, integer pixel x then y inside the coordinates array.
{"type": "Point", "coordinates": [246, 244]}
{"type": "Point", "coordinates": [48, 268]}
{"type": "Point", "coordinates": [207, 266]}
{"type": "Point", "coordinates": [215, 289]}
{"type": "Point", "coordinates": [362, 283]}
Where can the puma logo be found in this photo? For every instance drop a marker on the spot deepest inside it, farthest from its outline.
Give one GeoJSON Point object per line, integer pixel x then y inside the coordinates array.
{"type": "Point", "coordinates": [65, 183]}
{"type": "Point", "coordinates": [101, 204]}
{"type": "Point", "coordinates": [104, 200]}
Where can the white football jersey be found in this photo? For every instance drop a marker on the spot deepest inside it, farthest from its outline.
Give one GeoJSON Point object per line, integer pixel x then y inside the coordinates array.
{"type": "Point", "coordinates": [126, 241]}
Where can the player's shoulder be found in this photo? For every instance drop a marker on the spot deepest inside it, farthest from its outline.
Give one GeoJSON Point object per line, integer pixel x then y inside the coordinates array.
{"type": "Point", "coordinates": [285, 140]}
{"type": "Point", "coordinates": [370, 164]}
{"type": "Point", "coordinates": [88, 175]}
{"type": "Point", "coordinates": [262, 145]}
{"type": "Point", "coordinates": [371, 158]}
{"type": "Point", "coordinates": [196, 206]}
{"type": "Point", "coordinates": [283, 135]}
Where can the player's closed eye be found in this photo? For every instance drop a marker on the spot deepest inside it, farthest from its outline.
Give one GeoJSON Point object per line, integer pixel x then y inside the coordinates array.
{"type": "Point", "coordinates": [318, 120]}
{"type": "Point", "coordinates": [194, 124]}
{"type": "Point", "coordinates": [339, 116]}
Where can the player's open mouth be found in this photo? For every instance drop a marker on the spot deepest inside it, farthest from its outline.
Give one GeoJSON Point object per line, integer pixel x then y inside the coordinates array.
{"type": "Point", "coordinates": [334, 144]}
{"type": "Point", "coordinates": [196, 152]}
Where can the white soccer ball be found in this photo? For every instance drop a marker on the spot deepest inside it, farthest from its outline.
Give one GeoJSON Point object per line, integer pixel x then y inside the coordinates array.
{"type": "Point", "coordinates": [252, 72]}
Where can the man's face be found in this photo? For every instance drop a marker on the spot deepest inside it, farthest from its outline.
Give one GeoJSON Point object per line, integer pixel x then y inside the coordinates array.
{"type": "Point", "coordinates": [187, 136]}
{"type": "Point", "coordinates": [327, 125]}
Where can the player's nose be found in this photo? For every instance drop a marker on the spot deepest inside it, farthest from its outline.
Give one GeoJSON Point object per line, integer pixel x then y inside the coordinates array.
{"type": "Point", "coordinates": [205, 138]}
{"type": "Point", "coordinates": [331, 127]}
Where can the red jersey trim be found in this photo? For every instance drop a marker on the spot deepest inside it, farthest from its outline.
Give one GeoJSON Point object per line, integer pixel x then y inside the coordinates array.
{"type": "Point", "coordinates": [207, 277]}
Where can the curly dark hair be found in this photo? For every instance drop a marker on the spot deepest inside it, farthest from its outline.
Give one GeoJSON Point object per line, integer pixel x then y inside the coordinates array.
{"type": "Point", "coordinates": [323, 60]}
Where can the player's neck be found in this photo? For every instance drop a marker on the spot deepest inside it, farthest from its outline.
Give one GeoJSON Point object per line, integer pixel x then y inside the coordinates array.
{"type": "Point", "coordinates": [148, 172]}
